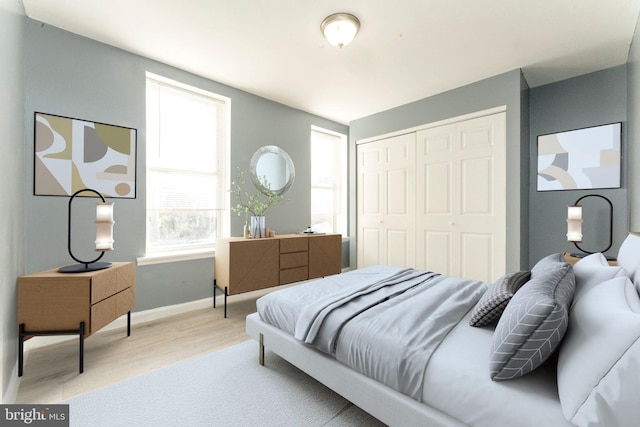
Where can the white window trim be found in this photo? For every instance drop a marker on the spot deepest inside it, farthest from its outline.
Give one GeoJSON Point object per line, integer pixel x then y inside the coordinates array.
{"type": "Point", "coordinates": [176, 256]}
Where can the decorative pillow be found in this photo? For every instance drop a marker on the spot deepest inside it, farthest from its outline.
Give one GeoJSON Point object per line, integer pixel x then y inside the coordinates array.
{"type": "Point", "coordinates": [629, 258]}
{"type": "Point", "coordinates": [535, 320]}
{"type": "Point", "coordinates": [599, 359]}
{"type": "Point", "coordinates": [495, 299]}
{"type": "Point", "coordinates": [591, 271]}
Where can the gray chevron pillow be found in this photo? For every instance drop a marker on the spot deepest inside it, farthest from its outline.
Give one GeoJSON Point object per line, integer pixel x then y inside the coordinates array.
{"type": "Point", "coordinates": [535, 320]}
{"type": "Point", "coordinates": [495, 299]}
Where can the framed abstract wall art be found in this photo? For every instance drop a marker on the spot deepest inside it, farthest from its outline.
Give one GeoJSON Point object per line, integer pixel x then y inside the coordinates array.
{"type": "Point", "coordinates": [580, 159]}
{"type": "Point", "coordinates": [71, 154]}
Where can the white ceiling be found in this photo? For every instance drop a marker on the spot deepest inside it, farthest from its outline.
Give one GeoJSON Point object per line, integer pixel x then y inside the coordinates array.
{"type": "Point", "coordinates": [406, 49]}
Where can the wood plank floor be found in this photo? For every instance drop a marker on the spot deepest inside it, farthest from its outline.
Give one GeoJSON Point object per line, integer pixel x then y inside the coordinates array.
{"type": "Point", "coordinates": [51, 372]}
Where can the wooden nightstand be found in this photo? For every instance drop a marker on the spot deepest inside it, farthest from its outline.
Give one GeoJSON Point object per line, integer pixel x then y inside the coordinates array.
{"type": "Point", "coordinates": [573, 259]}
{"type": "Point", "coordinates": [54, 303]}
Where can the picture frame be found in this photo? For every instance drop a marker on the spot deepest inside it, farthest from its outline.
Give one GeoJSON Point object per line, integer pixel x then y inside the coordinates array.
{"type": "Point", "coordinates": [586, 158]}
{"type": "Point", "coordinates": [71, 154]}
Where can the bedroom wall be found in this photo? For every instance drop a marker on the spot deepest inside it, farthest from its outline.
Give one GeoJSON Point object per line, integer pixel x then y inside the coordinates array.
{"type": "Point", "coordinates": [588, 100]}
{"type": "Point", "coordinates": [12, 246]}
{"type": "Point", "coordinates": [508, 89]}
{"type": "Point", "coordinates": [633, 134]}
{"type": "Point", "coordinates": [77, 77]}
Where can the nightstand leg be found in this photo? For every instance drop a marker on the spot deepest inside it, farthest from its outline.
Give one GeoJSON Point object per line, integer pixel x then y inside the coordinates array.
{"type": "Point", "coordinates": [129, 323]}
{"type": "Point", "coordinates": [81, 331]}
{"type": "Point", "coordinates": [21, 349]}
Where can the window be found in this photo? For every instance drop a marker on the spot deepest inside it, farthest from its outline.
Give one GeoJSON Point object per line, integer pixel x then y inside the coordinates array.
{"type": "Point", "coordinates": [328, 181]}
{"type": "Point", "coordinates": [187, 166]}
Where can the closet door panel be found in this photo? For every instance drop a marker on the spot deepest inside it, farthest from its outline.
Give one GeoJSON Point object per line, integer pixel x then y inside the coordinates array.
{"type": "Point", "coordinates": [386, 201]}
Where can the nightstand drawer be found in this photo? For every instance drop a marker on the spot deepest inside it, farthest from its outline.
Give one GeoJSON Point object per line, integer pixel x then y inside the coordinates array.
{"type": "Point", "coordinates": [111, 308]}
{"type": "Point", "coordinates": [110, 281]}
{"type": "Point", "coordinates": [295, 259]}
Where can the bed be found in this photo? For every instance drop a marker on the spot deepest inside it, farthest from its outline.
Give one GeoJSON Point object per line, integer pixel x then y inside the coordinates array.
{"type": "Point", "coordinates": [557, 345]}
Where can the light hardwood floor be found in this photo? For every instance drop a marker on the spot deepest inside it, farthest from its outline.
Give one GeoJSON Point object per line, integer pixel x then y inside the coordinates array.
{"type": "Point", "coordinates": [51, 372]}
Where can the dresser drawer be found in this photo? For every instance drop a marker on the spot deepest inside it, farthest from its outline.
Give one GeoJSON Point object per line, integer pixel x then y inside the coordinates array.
{"type": "Point", "coordinates": [293, 275]}
{"type": "Point", "coordinates": [294, 244]}
{"type": "Point", "coordinates": [295, 259]}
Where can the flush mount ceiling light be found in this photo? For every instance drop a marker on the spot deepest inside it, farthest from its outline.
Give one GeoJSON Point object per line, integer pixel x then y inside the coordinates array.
{"type": "Point", "coordinates": [340, 28]}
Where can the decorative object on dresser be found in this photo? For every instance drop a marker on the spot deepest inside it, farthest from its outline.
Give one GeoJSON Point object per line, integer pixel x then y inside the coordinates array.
{"type": "Point", "coordinates": [272, 173]}
{"type": "Point", "coordinates": [243, 265]}
{"type": "Point", "coordinates": [574, 224]}
{"type": "Point", "coordinates": [104, 235]}
{"type": "Point", "coordinates": [55, 303]}
{"type": "Point", "coordinates": [254, 203]}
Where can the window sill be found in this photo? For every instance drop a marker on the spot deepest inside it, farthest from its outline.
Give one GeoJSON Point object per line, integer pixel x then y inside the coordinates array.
{"type": "Point", "coordinates": [161, 258]}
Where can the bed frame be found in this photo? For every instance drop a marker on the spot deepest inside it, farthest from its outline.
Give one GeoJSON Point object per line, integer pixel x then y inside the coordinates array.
{"type": "Point", "coordinates": [387, 405]}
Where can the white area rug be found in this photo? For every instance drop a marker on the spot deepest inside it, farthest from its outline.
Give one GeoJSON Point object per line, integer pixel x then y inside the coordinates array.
{"type": "Point", "coordinates": [224, 388]}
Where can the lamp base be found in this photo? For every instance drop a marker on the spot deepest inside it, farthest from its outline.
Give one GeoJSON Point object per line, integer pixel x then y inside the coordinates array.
{"type": "Point", "coordinates": [83, 268]}
{"type": "Point", "coordinates": [578, 254]}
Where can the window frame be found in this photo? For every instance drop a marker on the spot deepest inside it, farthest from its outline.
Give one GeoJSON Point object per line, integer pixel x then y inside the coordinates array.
{"type": "Point", "coordinates": [203, 250]}
{"type": "Point", "coordinates": [342, 179]}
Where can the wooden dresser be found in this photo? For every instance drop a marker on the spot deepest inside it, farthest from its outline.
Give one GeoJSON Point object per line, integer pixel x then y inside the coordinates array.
{"type": "Point", "coordinates": [243, 265]}
{"type": "Point", "coordinates": [54, 303]}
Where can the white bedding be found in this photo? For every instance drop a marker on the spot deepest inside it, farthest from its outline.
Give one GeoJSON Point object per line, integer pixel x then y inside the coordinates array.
{"type": "Point", "coordinates": [282, 309]}
{"type": "Point", "coordinates": [457, 383]}
{"type": "Point", "coordinates": [596, 370]}
{"type": "Point", "coordinates": [456, 380]}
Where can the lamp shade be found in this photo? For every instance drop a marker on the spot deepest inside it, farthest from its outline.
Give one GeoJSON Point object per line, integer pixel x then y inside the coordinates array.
{"type": "Point", "coordinates": [340, 28]}
{"type": "Point", "coordinates": [574, 223]}
{"type": "Point", "coordinates": [104, 226]}
{"type": "Point", "coordinates": [104, 236]}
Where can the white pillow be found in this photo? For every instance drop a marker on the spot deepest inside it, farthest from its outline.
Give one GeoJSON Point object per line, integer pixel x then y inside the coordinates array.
{"type": "Point", "coordinates": [629, 258]}
{"type": "Point", "coordinates": [599, 359]}
{"type": "Point", "coordinates": [591, 271]}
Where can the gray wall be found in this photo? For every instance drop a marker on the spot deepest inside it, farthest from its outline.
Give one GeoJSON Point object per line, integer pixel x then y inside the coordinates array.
{"type": "Point", "coordinates": [633, 132]}
{"type": "Point", "coordinates": [507, 89]}
{"type": "Point", "coordinates": [589, 100]}
{"type": "Point", "coordinates": [76, 77]}
{"type": "Point", "coordinates": [12, 247]}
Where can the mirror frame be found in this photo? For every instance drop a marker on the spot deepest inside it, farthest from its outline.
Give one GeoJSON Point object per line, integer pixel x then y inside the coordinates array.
{"type": "Point", "coordinates": [271, 149]}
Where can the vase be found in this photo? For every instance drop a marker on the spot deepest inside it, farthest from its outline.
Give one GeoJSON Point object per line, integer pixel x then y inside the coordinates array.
{"type": "Point", "coordinates": [258, 227]}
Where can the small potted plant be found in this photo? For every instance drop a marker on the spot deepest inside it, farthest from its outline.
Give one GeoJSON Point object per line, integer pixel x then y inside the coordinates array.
{"type": "Point", "coordinates": [254, 202]}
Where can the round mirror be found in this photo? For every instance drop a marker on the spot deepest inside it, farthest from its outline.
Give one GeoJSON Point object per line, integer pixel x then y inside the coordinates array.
{"type": "Point", "coordinates": [272, 169]}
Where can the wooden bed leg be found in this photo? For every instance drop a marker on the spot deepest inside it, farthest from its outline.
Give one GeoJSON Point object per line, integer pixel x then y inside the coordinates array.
{"type": "Point", "coordinates": [261, 351]}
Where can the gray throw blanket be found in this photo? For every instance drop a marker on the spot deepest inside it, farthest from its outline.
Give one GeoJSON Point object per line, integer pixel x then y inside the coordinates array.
{"type": "Point", "coordinates": [388, 329]}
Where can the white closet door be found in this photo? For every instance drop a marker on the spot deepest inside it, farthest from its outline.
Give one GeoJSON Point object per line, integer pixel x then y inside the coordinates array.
{"type": "Point", "coordinates": [386, 202]}
{"type": "Point", "coordinates": [461, 198]}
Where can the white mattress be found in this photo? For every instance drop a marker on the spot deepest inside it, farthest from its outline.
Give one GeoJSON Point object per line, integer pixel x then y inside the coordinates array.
{"type": "Point", "coordinates": [457, 383]}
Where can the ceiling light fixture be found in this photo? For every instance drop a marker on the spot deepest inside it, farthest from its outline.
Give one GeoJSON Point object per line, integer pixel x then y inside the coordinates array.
{"type": "Point", "coordinates": [340, 28]}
